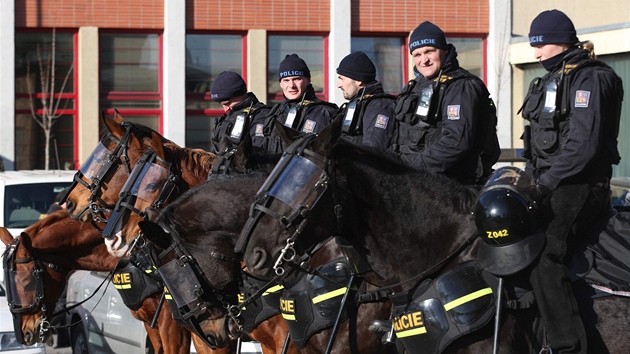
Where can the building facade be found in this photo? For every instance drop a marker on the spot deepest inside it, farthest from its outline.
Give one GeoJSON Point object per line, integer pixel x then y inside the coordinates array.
{"type": "Point", "coordinates": [155, 60]}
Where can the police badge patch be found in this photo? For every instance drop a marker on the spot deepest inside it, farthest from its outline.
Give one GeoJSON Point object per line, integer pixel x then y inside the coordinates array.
{"type": "Point", "coordinates": [452, 112]}
{"type": "Point", "coordinates": [581, 98]}
{"type": "Point", "coordinates": [259, 130]}
{"type": "Point", "coordinates": [381, 121]}
{"type": "Point", "coordinates": [309, 126]}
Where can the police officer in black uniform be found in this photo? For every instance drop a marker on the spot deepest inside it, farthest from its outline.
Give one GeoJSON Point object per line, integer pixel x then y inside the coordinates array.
{"type": "Point", "coordinates": [301, 109]}
{"type": "Point", "coordinates": [243, 111]}
{"type": "Point", "coordinates": [570, 146]}
{"type": "Point", "coordinates": [447, 118]}
{"type": "Point", "coordinates": [368, 115]}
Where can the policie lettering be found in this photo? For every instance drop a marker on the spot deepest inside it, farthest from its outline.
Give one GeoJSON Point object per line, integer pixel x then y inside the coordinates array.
{"type": "Point", "coordinates": [121, 278]}
{"type": "Point", "coordinates": [428, 41]}
{"type": "Point", "coordinates": [407, 321]}
{"type": "Point", "coordinates": [535, 39]}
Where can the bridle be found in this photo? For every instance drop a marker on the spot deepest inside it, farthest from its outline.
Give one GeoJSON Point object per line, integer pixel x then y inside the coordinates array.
{"type": "Point", "coordinates": [118, 156]}
{"type": "Point", "coordinates": [161, 179]}
{"type": "Point", "coordinates": [18, 306]}
{"type": "Point", "coordinates": [312, 180]}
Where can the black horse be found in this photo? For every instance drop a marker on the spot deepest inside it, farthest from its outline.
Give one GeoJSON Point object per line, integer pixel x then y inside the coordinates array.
{"type": "Point", "coordinates": [413, 227]}
{"type": "Point", "coordinates": [207, 220]}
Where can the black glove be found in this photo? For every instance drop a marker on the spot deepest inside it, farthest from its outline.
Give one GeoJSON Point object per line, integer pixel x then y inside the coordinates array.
{"type": "Point", "coordinates": [544, 191]}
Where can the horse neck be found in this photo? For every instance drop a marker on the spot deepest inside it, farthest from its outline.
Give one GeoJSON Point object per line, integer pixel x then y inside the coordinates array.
{"type": "Point", "coordinates": [407, 221]}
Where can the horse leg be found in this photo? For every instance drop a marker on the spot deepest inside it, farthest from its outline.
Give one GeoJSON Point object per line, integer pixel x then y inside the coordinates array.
{"type": "Point", "coordinates": [271, 334]}
{"type": "Point", "coordinates": [202, 348]}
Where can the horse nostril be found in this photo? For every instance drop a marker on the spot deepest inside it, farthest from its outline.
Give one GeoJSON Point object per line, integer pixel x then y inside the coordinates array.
{"type": "Point", "coordinates": [28, 337]}
{"type": "Point", "coordinates": [258, 258]}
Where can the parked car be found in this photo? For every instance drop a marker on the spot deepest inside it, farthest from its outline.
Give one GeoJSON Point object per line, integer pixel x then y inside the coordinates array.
{"type": "Point", "coordinates": [620, 188]}
{"type": "Point", "coordinates": [25, 196]}
{"type": "Point", "coordinates": [8, 340]}
{"type": "Point", "coordinates": [106, 324]}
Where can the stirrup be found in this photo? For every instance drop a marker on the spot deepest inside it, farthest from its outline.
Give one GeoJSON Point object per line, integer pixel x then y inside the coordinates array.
{"type": "Point", "coordinates": [383, 328]}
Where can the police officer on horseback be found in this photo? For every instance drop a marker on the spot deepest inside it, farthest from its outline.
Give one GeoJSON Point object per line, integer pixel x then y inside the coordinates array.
{"type": "Point", "coordinates": [367, 116]}
{"type": "Point", "coordinates": [570, 146]}
{"type": "Point", "coordinates": [301, 109]}
{"type": "Point", "coordinates": [447, 118]}
{"type": "Point", "coordinates": [243, 111]}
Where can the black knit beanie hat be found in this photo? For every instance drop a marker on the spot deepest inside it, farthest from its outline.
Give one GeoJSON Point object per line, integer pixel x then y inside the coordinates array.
{"type": "Point", "coordinates": [293, 65]}
{"type": "Point", "coordinates": [427, 34]}
{"type": "Point", "coordinates": [357, 66]}
{"type": "Point", "coordinates": [227, 85]}
{"type": "Point", "coordinates": [552, 27]}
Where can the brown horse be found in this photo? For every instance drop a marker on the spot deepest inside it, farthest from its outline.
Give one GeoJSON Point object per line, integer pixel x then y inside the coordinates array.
{"type": "Point", "coordinates": [63, 245]}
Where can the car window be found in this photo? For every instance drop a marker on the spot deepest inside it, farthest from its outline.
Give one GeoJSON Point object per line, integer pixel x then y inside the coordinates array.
{"type": "Point", "coordinates": [24, 204]}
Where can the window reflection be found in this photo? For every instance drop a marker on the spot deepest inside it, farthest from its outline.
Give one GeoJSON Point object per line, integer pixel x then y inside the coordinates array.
{"type": "Point", "coordinates": [387, 55]}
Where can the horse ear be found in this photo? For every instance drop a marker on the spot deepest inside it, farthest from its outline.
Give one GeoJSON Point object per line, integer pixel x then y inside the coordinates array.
{"type": "Point", "coordinates": [112, 125]}
{"type": "Point", "coordinates": [288, 135]}
{"type": "Point", "coordinates": [118, 117]}
{"type": "Point", "coordinates": [243, 152]}
{"type": "Point", "coordinates": [154, 233]}
{"type": "Point", "coordinates": [225, 144]}
{"type": "Point", "coordinates": [327, 138]}
{"type": "Point", "coordinates": [5, 236]}
{"type": "Point", "coordinates": [157, 145]}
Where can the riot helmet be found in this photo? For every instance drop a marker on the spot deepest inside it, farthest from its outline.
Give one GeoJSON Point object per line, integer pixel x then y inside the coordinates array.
{"type": "Point", "coordinates": [505, 218]}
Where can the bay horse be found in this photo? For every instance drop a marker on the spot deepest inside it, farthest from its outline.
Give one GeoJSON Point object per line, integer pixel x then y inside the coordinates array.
{"type": "Point", "coordinates": [208, 219]}
{"type": "Point", "coordinates": [57, 245]}
{"type": "Point", "coordinates": [413, 226]}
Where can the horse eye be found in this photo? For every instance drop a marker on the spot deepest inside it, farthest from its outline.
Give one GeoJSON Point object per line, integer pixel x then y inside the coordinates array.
{"type": "Point", "coordinates": [151, 187]}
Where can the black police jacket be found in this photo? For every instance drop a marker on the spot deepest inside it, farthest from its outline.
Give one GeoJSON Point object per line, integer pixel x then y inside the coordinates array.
{"type": "Point", "coordinates": [242, 119]}
{"type": "Point", "coordinates": [309, 115]}
{"type": "Point", "coordinates": [574, 113]}
{"type": "Point", "coordinates": [369, 117]}
{"type": "Point", "coordinates": [455, 134]}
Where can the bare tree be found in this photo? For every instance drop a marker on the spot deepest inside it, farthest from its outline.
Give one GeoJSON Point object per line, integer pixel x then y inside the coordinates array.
{"type": "Point", "coordinates": [49, 100]}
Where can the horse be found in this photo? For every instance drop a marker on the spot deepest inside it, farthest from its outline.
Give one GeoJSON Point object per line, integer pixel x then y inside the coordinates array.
{"type": "Point", "coordinates": [46, 252]}
{"type": "Point", "coordinates": [207, 220]}
{"type": "Point", "coordinates": [99, 181]}
{"type": "Point", "coordinates": [413, 226]}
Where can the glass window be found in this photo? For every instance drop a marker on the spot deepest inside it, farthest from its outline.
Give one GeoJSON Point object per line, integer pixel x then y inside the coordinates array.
{"type": "Point", "coordinates": [309, 48]}
{"type": "Point", "coordinates": [207, 55]}
{"type": "Point", "coordinates": [469, 54]}
{"type": "Point", "coordinates": [387, 55]}
{"type": "Point", "coordinates": [130, 76]}
{"type": "Point", "coordinates": [33, 60]}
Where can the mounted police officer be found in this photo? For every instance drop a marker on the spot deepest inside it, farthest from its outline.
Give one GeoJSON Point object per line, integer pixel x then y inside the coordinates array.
{"type": "Point", "coordinates": [242, 109]}
{"type": "Point", "coordinates": [447, 118]}
{"type": "Point", "coordinates": [301, 109]}
{"type": "Point", "coordinates": [570, 146]}
{"type": "Point", "coordinates": [368, 115]}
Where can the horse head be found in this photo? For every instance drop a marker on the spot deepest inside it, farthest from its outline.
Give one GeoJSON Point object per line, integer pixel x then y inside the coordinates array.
{"type": "Point", "coordinates": [101, 177]}
{"type": "Point", "coordinates": [201, 272]}
{"type": "Point", "coordinates": [288, 200]}
{"type": "Point", "coordinates": [36, 265]}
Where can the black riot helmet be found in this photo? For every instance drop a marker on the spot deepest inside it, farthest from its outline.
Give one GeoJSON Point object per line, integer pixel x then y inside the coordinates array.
{"type": "Point", "coordinates": [505, 218]}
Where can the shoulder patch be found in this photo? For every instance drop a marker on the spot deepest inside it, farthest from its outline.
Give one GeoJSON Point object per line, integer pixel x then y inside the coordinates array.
{"type": "Point", "coordinates": [452, 112]}
{"type": "Point", "coordinates": [309, 126]}
{"type": "Point", "coordinates": [582, 98]}
{"type": "Point", "coordinates": [381, 121]}
{"type": "Point", "coordinates": [260, 129]}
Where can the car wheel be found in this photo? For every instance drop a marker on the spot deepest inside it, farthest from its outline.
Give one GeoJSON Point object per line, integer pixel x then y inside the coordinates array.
{"type": "Point", "coordinates": [79, 340]}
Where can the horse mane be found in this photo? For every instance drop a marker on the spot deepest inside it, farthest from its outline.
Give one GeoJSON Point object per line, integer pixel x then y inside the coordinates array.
{"type": "Point", "coordinates": [196, 161]}
{"type": "Point", "coordinates": [377, 163]}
